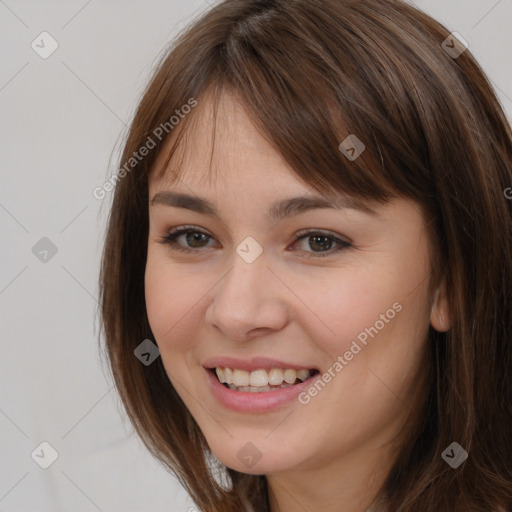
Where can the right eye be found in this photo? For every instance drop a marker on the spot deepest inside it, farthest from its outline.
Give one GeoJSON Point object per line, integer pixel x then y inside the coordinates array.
{"type": "Point", "coordinates": [193, 237]}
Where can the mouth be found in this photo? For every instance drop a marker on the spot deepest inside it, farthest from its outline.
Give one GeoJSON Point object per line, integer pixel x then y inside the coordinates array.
{"type": "Point", "coordinates": [261, 380]}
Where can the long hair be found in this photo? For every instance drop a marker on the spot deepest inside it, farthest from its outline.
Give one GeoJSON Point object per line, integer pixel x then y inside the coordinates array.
{"type": "Point", "coordinates": [309, 73]}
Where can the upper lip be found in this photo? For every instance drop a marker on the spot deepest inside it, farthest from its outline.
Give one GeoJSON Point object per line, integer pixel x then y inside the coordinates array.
{"type": "Point", "coordinates": [254, 363]}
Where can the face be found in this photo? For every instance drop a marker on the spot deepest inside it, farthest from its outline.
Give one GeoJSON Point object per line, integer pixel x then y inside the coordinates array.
{"type": "Point", "coordinates": [334, 297]}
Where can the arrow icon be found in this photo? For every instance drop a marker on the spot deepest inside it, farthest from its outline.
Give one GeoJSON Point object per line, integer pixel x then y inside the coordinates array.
{"type": "Point", "coordinates": [249, 249]}
{"type": "Point", "coordinates": [454, 45]}
{"type": "Point", "coordinates": [44, 455]}
{"type": "Point", "coordinates": [352, 147]}
{"type": "Point", "coordinates": [44, 250]}
{"type": "Point", "coordinates": [146, 352]}
{"type": "Point", "coordinates": [249, 455]}
{"type": "Point", "coordinates": [44, 45]}
{"type": "Point", "coordinates": [454, 455]}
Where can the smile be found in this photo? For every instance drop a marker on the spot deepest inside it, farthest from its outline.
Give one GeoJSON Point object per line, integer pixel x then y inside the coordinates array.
{"type": "Point", "coordinates": [256, 389]}
{"type": "Point", "coordinates": [261, 380]}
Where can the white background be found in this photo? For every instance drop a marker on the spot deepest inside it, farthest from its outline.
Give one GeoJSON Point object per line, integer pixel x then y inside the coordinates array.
{"type": "Point", "coordinates": [63, 119]}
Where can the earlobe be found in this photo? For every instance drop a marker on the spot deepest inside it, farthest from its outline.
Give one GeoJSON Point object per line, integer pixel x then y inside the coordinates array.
{"type": "Point", "coordinates": [440, 316]}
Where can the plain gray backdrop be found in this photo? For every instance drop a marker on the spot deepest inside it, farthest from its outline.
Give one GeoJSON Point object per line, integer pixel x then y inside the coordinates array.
{"type": "Point", "coordinates": [63, 118]}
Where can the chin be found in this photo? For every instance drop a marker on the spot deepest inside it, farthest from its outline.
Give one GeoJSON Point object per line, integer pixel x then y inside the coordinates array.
{"type": "Point", "coordinates": [259, 468]}
{"type": "Point", "coordinates": [252, 458]}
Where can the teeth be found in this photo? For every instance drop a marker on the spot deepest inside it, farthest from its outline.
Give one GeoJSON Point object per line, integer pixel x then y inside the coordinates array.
{"type": "Point", "coordinates": [261, 379]}
{"type": "Point", "coordinates": [290, 376]}
{"type": "Point", "coordinates": [303, 374]}
{"type": "Point", "coordinates": [240, 378]}
{"type": "Point", "coordinates": [221, 374]}
{"type": "Point", "coordinates": [262, 389]}
{"type": "Point", "coordinates": [275, 376]}
{"type": "Point", "coordinates": [258, 378]}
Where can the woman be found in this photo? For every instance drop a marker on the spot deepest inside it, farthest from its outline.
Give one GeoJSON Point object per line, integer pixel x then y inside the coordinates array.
{"type": "Point", "coordinates": [310, 229]}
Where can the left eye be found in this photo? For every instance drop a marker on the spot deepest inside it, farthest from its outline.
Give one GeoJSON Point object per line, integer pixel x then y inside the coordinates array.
{"type": "Point", "coordinates": [321, 243]}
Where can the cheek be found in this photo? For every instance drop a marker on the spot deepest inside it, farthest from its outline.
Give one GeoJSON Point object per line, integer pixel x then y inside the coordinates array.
{"type": "Point", "coordinates": [173, 301]}
{"type": "Point", "coordinates": [339, 308]}
{"type": "Point", "coordinates": [160, 301]}
{"type": "Point", "coordinates": [382, 301]}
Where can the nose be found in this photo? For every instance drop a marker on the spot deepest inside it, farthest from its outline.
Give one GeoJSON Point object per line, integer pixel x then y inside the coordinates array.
{"type": "Point", "coordinates": [248, 302]}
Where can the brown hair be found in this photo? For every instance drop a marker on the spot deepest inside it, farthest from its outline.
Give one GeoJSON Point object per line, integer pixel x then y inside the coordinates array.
{"type": "Point", "coordinates": [310, 72]}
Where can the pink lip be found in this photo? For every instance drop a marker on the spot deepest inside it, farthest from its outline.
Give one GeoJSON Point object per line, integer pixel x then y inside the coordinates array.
{"type": "Point", "coordinates": [255, 363]}
{"type": "Point", "coordinates": [244, 401]}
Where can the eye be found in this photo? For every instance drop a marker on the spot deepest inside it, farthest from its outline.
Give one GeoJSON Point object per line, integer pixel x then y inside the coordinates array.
{"type": "Point", "coordinates": [191, 235]}
{"type": "Point", "coordinates": [321, 243]}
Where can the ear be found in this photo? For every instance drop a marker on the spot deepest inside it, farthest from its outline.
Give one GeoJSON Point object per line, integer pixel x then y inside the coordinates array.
{"type": "Point", "coordinates": [440, 316]}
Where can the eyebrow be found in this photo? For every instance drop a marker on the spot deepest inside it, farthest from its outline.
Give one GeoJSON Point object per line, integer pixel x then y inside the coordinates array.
{"type": "Point", "coordinates": [278, 211]}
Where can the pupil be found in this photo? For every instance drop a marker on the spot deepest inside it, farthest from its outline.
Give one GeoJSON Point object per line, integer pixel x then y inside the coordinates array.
{"type": "Point", "coordinates": [194, 237]}
{"type": "Point", "coordinates": [316, 238]}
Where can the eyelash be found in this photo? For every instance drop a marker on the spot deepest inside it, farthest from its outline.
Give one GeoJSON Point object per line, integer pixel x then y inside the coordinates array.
{"type": "Point", "coordinates": [170, 240]}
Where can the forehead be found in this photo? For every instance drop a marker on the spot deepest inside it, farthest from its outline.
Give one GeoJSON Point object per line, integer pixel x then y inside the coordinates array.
{"type": "Point", "coordinates": [220, 144]}
{"type": "Point", "coordinates": [218, 151]}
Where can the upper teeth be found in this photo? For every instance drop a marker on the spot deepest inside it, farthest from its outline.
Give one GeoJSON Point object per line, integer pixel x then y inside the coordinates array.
{"type": "Point", "coordinates": [260, 378]}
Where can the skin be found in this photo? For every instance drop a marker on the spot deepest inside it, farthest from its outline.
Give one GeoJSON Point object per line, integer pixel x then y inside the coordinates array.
{"type": "Point", "coordinates": [334, 451]}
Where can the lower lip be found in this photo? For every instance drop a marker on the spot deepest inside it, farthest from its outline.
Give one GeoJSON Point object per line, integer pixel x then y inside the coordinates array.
{"type": "Point", "coordinates": [254, 402]}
